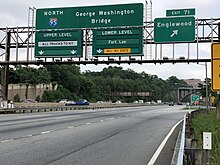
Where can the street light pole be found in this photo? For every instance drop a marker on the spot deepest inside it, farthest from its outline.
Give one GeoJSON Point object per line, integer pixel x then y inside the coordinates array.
{"type": "Point", "coordinates": [206, 88]}
{"type": "Point", "coordinates": [178, 95]}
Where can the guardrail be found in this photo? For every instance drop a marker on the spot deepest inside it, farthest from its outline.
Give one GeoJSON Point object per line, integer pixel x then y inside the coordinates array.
{"type": "Point", "coordinates": [188, 141]}
{"type": "Point", "coordinates": [182, 143]}
{"type": "Point", "coordinates": [33, 109]}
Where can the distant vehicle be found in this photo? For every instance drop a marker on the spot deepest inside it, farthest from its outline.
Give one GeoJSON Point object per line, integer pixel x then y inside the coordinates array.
{"type": "Point", "coordinates": [29, 101]}
{"type": "Point", "coordinates": [63, 101]}
{"type": "Point", "coordinates": [69, 103]}
{"type": "Point", "coordinates": [171, 104]}
{"type": "Point", "coordinates": [141, 101]}
{"type": "Point", "coordinates": [80, 102]}
{"type": "Point", "coordinates": [159, 101]}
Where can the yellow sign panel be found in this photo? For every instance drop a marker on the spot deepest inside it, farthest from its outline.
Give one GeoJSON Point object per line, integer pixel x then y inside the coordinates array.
{"type": "Point", "coordinates": [216, 66]}
{"type": "Point", "coordinates": [117, 51]}
{"type": "Point", "coordinates": [216, 75]}
{"type": "Point", "coordinates": [216, 51]}
{"type": "Point", "coordinates": [213, 99]}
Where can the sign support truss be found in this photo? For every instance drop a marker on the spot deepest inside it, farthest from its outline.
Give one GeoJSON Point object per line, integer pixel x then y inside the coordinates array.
{"type": "Point", "coordinates": [207, 30]}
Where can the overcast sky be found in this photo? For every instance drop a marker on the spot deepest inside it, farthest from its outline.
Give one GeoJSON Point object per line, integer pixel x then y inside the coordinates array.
{"type": "Point", "coordinates": [15, 13]}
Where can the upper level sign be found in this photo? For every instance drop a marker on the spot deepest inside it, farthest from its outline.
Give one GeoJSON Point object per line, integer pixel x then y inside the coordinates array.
{"type": "Point", "coordinates": [174, 29]}
{"type": "Point", "coordinates": [58, 43]}
{"type": "Point", "coordinates": [90, 16]}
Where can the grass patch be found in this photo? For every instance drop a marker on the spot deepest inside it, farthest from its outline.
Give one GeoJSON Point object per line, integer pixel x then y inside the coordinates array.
{"type": "Point", "coordinates": [208, 123]}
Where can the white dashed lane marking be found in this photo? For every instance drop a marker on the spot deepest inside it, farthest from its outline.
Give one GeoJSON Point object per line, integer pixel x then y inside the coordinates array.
{"type": "Point", "coordinates": [70, 127]}
{"type": "Point", "coordinates": [4, 141]}
{"type": "Point", "coordinates": [47, 132]}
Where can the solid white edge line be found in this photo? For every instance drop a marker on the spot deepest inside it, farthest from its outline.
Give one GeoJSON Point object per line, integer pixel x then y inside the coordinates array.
{"type": "Point", "coordinates": [157, 153]}
{"type": "Point", "coordinates": [182, 143]}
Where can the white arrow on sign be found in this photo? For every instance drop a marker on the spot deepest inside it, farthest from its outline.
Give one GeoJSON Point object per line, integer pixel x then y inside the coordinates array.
{"type": "Point", "coordinates": [175, 32]}
{"type": "Point", "coordinates": [73, 51]}
{"type": "Point", "coordinates": [41, 52]}
{"type": "Point", "coordinates": [99, 51]}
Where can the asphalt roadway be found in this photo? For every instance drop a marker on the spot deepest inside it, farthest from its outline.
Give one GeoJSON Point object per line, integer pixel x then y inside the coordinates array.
{"type": "Point", "coordinates": [117, 136]}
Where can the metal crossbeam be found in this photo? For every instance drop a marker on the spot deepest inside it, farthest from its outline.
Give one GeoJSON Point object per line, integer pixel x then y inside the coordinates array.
{"type": "Point", "coordinates": [207, 31]}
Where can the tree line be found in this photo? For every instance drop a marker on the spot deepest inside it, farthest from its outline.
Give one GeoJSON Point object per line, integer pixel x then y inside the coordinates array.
{"type": "Point", "coordinates": [95, 86]}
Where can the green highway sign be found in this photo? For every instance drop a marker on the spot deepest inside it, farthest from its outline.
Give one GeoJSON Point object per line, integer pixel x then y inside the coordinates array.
{"type": "Point", "coordinates": [58, 43]}
{"type": "Point", "coordinates": [117, 42]}
{"type": "Point", "coordinates": [180, 12]}
{"type": "Point", "coordinates": [195, 98]}
{"type": "Point", "coordinates": [174, 29]}
{"type": "Point", "coordinates": [90, 16]}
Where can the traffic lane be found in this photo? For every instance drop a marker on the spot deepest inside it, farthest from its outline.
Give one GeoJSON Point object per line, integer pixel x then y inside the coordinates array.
{"type": "Point", "coordinates": [35, 124]}
{"type": "Point", "coordinates": [25, 118]}
{"type": "Point", "coordinates": [130, 140]}
{"type": "Point", "coordinates": [168, 150]}
{"type": "Point", "coordinates": [127, 147]}
{"type": "Point", "coordinates": [22, 118]}
{"type": "Point", "coordinates": [31, 124]}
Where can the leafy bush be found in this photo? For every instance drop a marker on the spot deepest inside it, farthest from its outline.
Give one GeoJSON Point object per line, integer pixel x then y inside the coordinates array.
{"type": "Point", "coordinates": [17, 98]}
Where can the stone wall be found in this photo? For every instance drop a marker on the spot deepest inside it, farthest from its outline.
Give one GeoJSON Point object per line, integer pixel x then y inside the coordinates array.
{"type": "Point", "coordinates": [33, 90]}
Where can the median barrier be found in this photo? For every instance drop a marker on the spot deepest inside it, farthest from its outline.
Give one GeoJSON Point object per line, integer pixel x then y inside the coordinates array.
{"type": "Point", "coordinates": [49, 107]}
